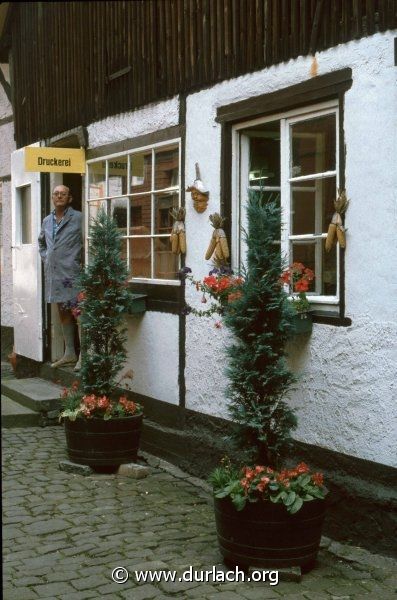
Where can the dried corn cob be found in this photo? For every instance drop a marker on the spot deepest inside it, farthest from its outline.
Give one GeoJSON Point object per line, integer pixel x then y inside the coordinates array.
{"type": "Point", "coordinates": [182, 241]}
{"type": "Point", "coordinates": [174, 243]}
{"type": "Point", "coordinates": [211, 247]}
{"type": "Point", "coordinates": [336, 226]}
{"type": "Point", "coordinates": [329, 242]}
{"type": "Point", "coordinates": [224, 245]}
{"type": "Point", "coordinates": [218, 244]}
{"type": "Point", "coordinates": [178, 235]}
{"type": "Point", "coordinates": [340, 233]}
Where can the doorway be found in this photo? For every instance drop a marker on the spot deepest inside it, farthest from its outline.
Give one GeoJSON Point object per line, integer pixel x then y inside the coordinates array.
{"type": "Point", "coordinates": [55, 349]}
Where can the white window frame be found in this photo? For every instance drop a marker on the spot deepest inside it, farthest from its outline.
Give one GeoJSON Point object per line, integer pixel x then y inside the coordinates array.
{"type": "Point", "coordinates": [240, 187]}
{"type": "Point", "coordinates": [152, 192]}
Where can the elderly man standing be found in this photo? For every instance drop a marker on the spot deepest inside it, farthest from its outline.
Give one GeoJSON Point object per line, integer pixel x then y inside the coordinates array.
{"type": "Point", "coordinates": [60, 247]}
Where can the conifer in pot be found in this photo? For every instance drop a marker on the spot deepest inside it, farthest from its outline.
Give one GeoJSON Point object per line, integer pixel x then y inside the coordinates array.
{"type": "Point", "coordinates": [265, 517]}
{"type": "Point", "coordinates": [102, 428]}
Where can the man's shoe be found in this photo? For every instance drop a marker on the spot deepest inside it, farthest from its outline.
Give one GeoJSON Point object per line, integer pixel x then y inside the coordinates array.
{"type": "Point", "coordinates": [65, 360]}
{"type": "Point", "coordinates": [78, 365]}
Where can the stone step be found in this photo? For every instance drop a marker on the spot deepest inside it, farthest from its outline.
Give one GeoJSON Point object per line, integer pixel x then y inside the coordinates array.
{"type": "Point", "coordinates": [16, 415]}
{"type": "Point", "coordinates": [64, 375]}
{"type": "Point", "coordinates": [37, 394]}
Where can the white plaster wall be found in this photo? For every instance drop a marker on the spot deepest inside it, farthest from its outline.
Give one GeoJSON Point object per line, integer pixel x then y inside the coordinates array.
{"type": "Point", "coordinates": [5, 104]}
{"type": "Point", "coordinates": [153, 339]}
{"type": "Point", "coordinates": [7, 145]}
{"type": "Point", "coordinates": [346, 395]}
{"type": "Point", "coordinates": [153, 355]}
{"type": "Point", "coordinates": [7, 317]}
{"type": "Point", "coordinates": [134, 123]}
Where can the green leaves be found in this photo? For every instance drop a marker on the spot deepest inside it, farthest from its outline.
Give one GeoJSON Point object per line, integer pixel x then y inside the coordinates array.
{"type": "Point", "coordinates": [289, 499]}
{"type": "Point", "coordinates": [295, 506]}
{"type": "Point", "coordinates": [289, 487]}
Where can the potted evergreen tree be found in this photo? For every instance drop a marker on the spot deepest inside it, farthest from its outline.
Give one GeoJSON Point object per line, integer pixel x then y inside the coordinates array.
{"type": "Point", "coordinates": [266, 517]}
{"type": "Point", "coordinates": [102, 430]}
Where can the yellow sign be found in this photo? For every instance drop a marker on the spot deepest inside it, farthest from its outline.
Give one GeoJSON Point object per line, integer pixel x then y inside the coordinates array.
{"type": "Point", "coordinates": [55, 160]}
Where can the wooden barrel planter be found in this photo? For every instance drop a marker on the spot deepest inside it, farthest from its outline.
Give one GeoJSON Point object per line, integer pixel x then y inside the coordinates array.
{"type": "Point", "coordinates": [265, 535]}
{"type": "Point", "coordinates": [103, 444]}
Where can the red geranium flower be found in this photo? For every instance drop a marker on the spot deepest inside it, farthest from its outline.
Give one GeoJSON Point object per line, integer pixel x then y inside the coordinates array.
{"type": "Point", "coordinates": [318, 479]}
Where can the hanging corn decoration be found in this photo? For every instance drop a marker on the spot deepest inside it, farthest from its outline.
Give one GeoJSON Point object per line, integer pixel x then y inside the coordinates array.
{"type": "Point", "coordinates": [218, 247]}
{"type": "Point", "coordinates": [178, 233]}
{"type": "Point", "coordinates": [336, 228]}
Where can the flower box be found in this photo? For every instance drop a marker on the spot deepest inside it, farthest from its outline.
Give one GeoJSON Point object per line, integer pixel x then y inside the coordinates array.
{"type": "Point", "coordinates": [303, 323]}
{"type": "Point", "coordinates": [137, 304]}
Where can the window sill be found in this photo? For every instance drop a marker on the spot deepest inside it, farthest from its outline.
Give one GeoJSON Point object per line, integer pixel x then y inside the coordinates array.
{"type": "Point", "coordinates": [329, 318]}
{"type": "Point", "coordinates": [176, 282]}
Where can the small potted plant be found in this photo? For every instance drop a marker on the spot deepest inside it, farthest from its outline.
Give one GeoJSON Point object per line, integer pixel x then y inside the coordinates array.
{"type": "Point", "coordinates": [297, 278]}
{"type": "Point", "coordinates": [102, 428]}
{"type": "Point", "coordinates": [282, 514]}
{"type": "Point", "coordinates": [266, 516]}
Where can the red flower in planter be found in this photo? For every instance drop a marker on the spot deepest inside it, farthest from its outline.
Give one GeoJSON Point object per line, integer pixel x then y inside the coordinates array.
{"type": "Point", "coordinates": [318, 479]}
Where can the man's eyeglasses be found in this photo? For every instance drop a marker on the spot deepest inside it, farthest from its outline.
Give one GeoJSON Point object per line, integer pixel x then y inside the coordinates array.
{"type": "Point", "coordinates": [63, 194]}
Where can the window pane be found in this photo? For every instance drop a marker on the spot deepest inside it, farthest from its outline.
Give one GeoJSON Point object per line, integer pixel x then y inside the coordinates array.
{"type": "Point", "coordinates": [140, 215]}
{"type": "Point", "coordinates": [26, 214]}
{"type": "Point", "coordinates": [97, 179]}
{"type": "Point", "coordinates": [118, 210]}
{"type": "Point", "coordinates": [166, 168]}
{"type": "Point", "coordinates": [141, 172]}
{"type": "Point", "coordinates": [264, 158]}
{"type": "Point", "coordinates": [329, 271]}
{"type": "Point", "coordinates": [94, 207]}
{"type": "Point", "coordinates": [140, 257]}
{"type": "Point", "coordinates": [313, 146]}
{"type": "Point", "coordinates": [313, 255]}
{"type": "Point", "coordinates": [162, 206]}
{"type": "Point", "coordinates": [165, 263]}
{"type": "Point", "coordinates": [117, 173]}
{"type": "Point", "coordinates": [312, 205]}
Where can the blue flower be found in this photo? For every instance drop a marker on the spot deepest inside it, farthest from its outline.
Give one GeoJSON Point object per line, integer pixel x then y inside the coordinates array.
{"type": "Point", "coordinates": [67, 282]}
{"type": "Point", "coordinates": [226, 271]}
{"type": "Point", "coordinates": [184, 272]}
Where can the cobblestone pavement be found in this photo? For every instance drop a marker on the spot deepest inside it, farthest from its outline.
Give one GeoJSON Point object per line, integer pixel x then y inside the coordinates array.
{"type": "Point", "coordinates": [63, 534]}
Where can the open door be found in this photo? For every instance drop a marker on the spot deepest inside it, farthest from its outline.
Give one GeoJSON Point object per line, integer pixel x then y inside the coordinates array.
{"type": "Point", "coordinates": [27, 288]}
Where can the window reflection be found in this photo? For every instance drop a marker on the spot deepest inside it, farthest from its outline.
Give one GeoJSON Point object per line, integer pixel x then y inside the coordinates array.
{"type": "Point", "coordinates": [141, 172]}
{"type": "Point", "coordinates": [166, 169]}
{"type": "Point", "coordinates": [117, 173]}
{"type": "Point", "coordinates": [141, 261]}
{"type": "Point", "coordinates": [97, 179]}
{"type": "Point", "coordinates": [140, 215]}
{"type": "Point", "coordinates": [137, 187]}
{"type": "Point", "coordinates": [119, 212]}
{"type": "Point", "coordinates": [313, 146]}
{"type": "Point", "coordinates": [163, 204]}
{"type": "Point", "coordinates": [165, 262]}
{"type": "Point", "coordinates": [312, 205]}
{"type": "Point", "coordinates": [264, 154]}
